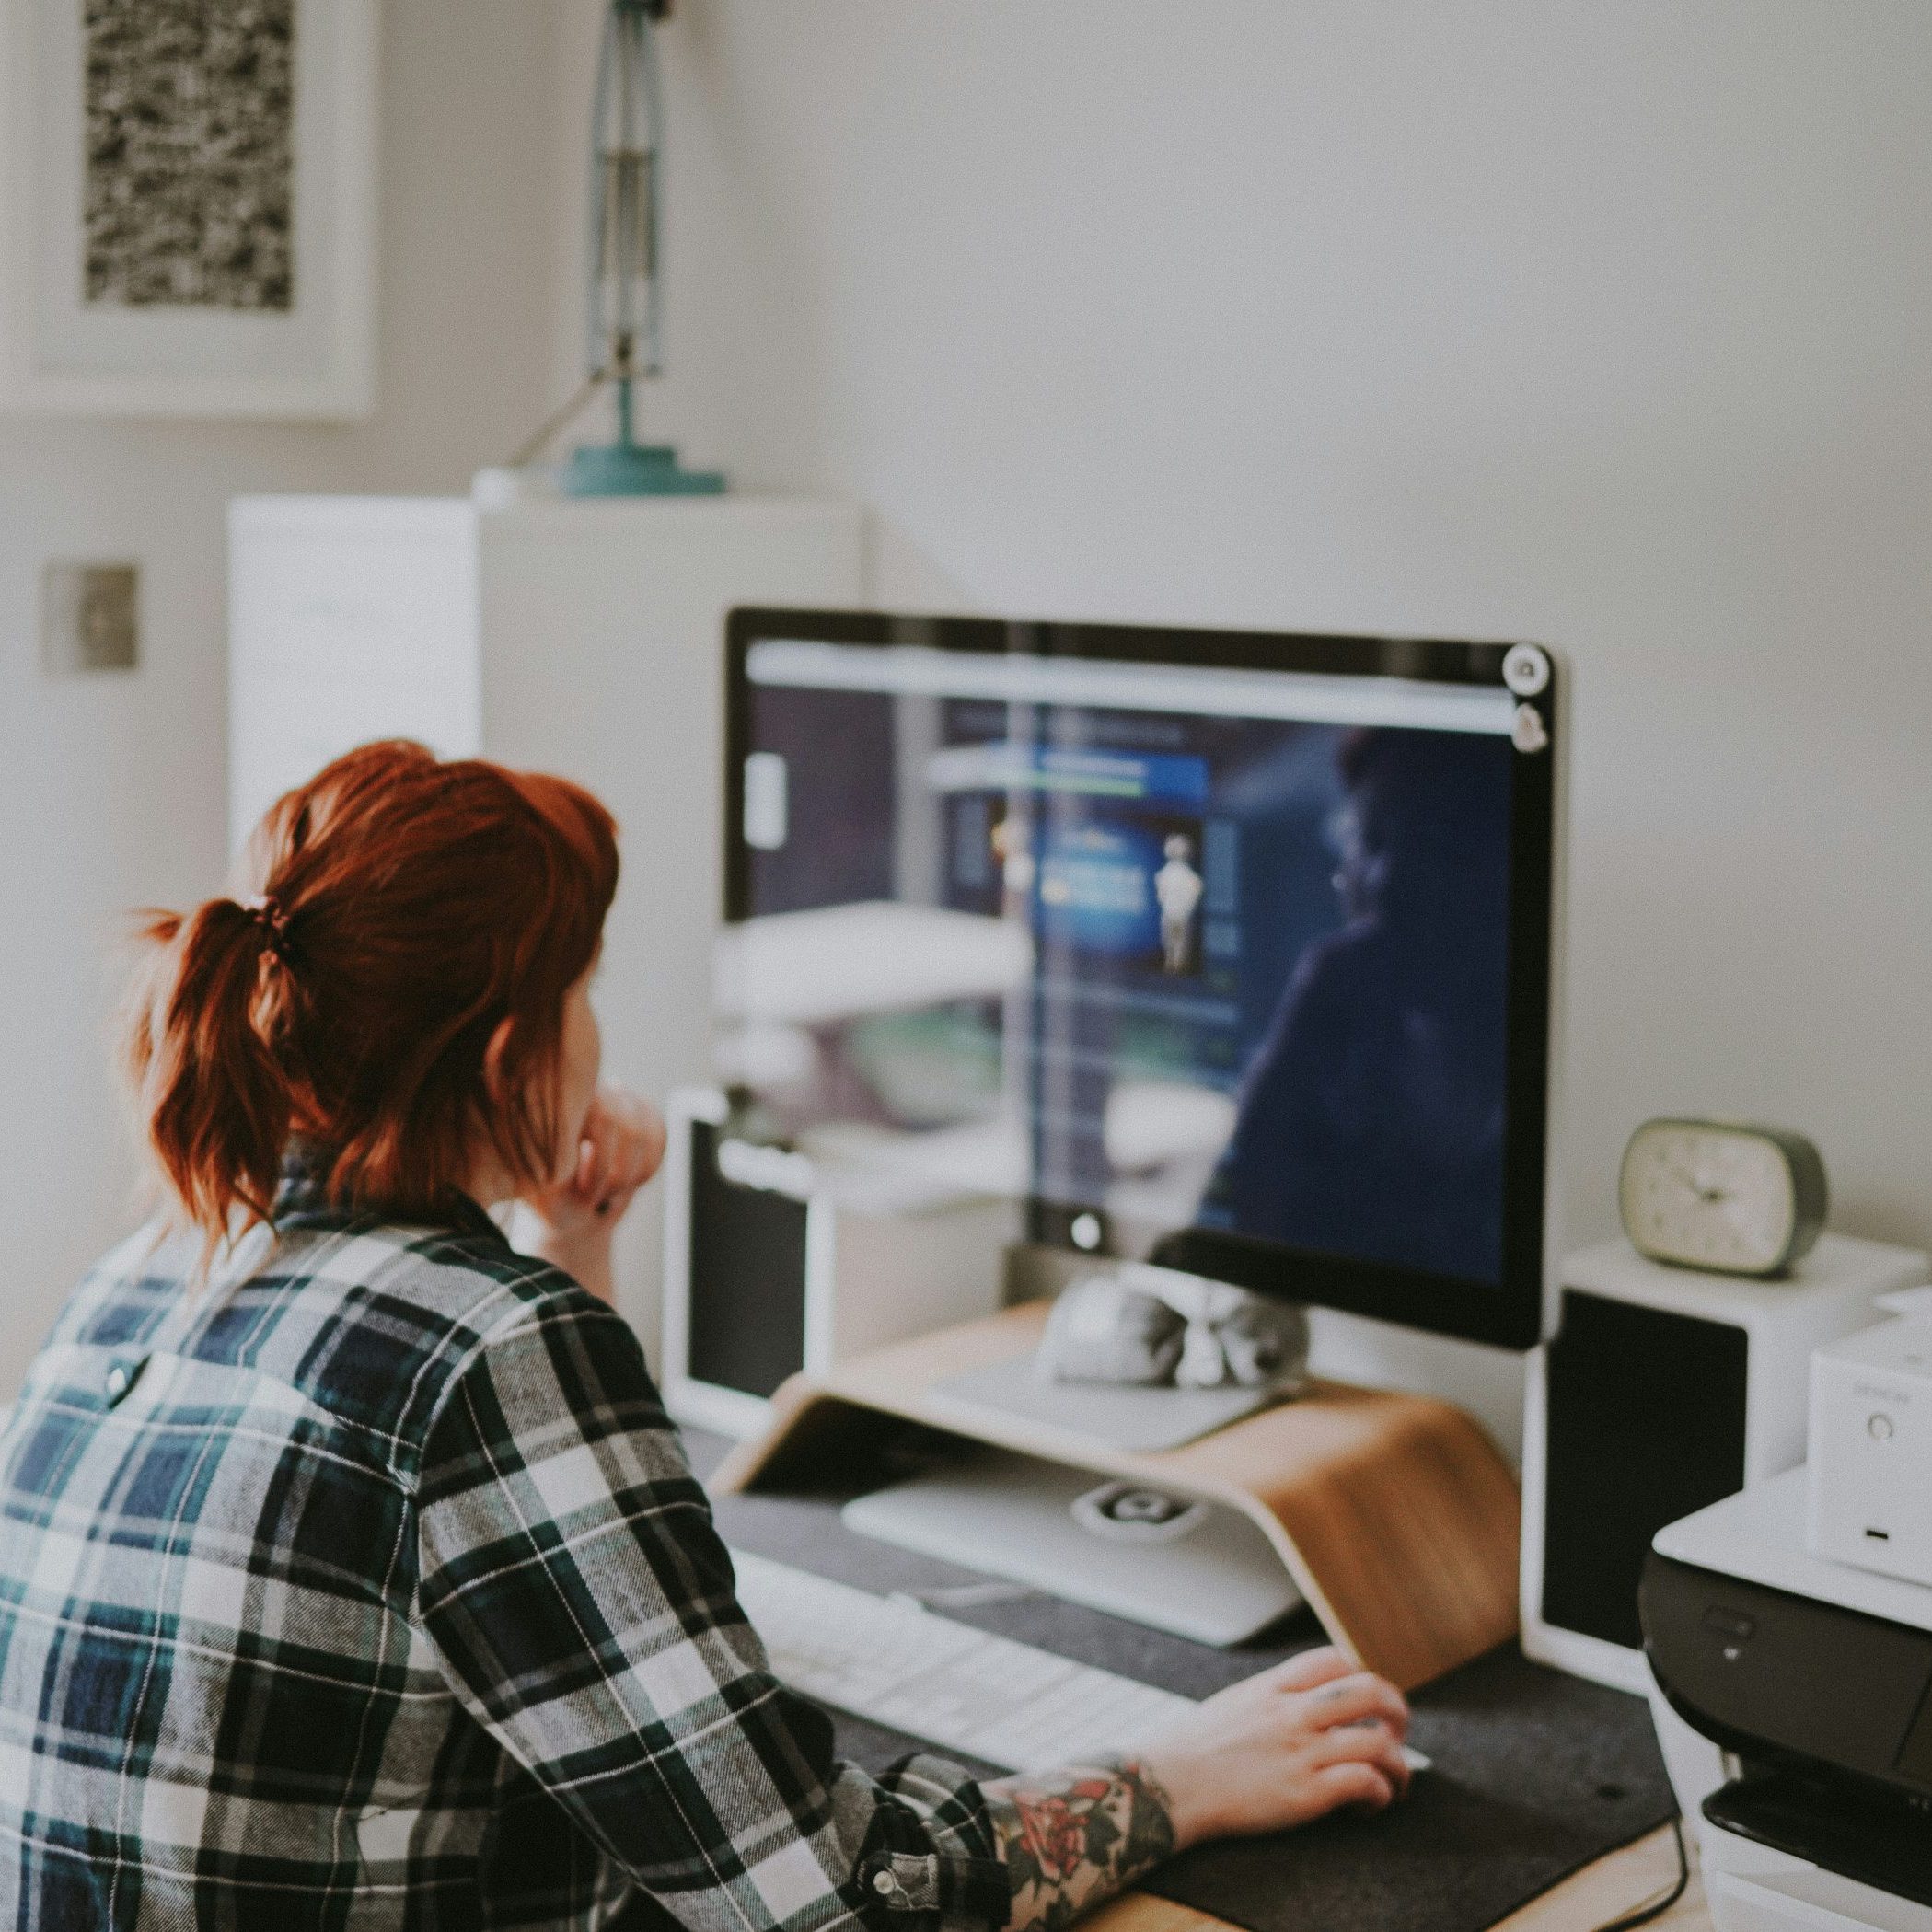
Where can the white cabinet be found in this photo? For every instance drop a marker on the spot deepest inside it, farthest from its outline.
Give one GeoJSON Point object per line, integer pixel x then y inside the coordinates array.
{"type": "Point", "coordinates": [582, 638]}
{"type": "Point", "coordinates": [349, 618]}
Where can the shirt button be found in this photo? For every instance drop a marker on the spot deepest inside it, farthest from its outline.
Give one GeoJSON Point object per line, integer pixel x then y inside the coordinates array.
{"type": "Point", "coordinates": [884, 1884]}
{"type": "Point", "coordinates": [120, 1379]}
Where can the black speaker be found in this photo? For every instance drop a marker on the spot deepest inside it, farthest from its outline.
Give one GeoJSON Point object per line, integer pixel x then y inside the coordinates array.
{"type": "Point", "coordinates": [1663, 1390]}
{"type": "Point", "coordinates": [770, 1270]}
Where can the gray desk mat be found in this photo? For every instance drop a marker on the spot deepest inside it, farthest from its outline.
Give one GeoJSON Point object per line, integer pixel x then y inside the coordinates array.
{"type": "Point", "coordinates": [1536, 1775]}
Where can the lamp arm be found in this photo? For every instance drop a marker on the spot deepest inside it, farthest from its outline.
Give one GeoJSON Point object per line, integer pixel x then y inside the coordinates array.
{"type": "Point", "coordinates": [625, 201]}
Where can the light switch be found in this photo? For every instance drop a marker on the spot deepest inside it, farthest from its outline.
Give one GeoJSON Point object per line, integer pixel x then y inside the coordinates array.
{"type": "Point", "coordinates": [91, 616]}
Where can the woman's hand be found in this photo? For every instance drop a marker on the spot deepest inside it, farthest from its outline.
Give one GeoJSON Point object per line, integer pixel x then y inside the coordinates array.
{"type": "Point", "coordinates": [622, 1147]}
{"type": "Point", "coordinates": [1304, 1739]}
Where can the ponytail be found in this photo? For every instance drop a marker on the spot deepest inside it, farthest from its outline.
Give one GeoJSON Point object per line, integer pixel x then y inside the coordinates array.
{"type": "Point", "coordinates": [215, 1097]}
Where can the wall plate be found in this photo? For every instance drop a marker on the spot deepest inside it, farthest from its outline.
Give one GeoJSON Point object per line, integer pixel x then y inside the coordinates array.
{"type": "Point", "coordinates": [90, 618]}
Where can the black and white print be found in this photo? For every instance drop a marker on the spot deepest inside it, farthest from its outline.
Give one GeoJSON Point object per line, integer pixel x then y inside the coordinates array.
{"type": "Point", "coordinates": [189, 194]}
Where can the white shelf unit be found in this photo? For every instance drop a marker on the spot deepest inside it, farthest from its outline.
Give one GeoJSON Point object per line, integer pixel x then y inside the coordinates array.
{"type": "Point", "coordinates": [582, 637]}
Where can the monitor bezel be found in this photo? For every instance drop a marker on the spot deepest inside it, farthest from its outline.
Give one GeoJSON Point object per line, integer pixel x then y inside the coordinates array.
{"type": "Point", "coordinates": [1509, 1313]}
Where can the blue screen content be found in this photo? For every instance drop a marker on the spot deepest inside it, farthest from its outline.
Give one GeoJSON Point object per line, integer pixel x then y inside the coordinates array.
{"type": "Point", "coordinates": [1189, 968]}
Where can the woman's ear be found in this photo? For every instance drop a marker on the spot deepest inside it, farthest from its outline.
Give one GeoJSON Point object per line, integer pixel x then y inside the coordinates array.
{"type": "Point", "coordinates": [494, 1055]}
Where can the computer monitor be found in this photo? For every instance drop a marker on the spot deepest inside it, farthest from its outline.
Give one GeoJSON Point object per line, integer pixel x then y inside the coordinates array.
{"type": "Point", "coordinates": [1231, 950]}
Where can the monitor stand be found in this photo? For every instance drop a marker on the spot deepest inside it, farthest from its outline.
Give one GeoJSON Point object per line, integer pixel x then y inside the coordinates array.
{"type": "Point", "coordinates": [1394, 1515]}
{"type": "Point", "coordinates": [1108, 1414]}
{"type": "Point", "coordinates": [1193, 1568]}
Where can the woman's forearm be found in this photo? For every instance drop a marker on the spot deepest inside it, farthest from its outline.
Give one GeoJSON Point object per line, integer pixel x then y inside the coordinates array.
{"type": "Point", "coordinates": [585, 1259]}
{"type": "Point", "coordinates": [1072, 1839]}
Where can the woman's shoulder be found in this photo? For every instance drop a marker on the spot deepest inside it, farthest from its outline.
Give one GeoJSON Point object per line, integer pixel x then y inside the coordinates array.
{"type": "Point", "coordinates": [367, 1321]}
{"type": "Point", "coordinates": [128, 1293]}
{"type": "Point", "coordinates": [374, 1319]}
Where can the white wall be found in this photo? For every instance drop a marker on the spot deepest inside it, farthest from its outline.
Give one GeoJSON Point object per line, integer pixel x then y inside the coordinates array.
{"type": "Point", "coordinates": [113, 788]}
{"type": "Point", "coordinates": [1605, 326]}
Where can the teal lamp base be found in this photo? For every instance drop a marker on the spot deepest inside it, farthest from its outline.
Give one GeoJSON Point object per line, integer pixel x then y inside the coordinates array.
{"type": "Point", "coordinates": [628, 469]}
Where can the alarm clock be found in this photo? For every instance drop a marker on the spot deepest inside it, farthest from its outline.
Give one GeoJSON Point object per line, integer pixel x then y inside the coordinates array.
{"type": "Point", "coordinates": [1722, 1195]}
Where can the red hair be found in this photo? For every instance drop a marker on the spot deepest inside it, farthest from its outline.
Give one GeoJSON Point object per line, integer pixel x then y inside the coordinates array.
{"type": "Point", "coordinates": [409, 907]}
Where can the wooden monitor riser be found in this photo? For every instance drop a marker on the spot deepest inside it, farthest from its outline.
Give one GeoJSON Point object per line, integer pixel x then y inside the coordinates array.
{"type": "Point", "coordinates": [1395, 1514]}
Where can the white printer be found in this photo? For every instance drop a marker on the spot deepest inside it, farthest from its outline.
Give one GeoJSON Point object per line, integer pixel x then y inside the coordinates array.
{"type": "Point", "coordinates": [1871, 1444]}
{"type": "Point", "coordinates": [1812, 1682]}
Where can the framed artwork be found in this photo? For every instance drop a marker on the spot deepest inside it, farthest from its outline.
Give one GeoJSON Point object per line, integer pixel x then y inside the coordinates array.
{"type": "Point", "coordinates": [187, 207]}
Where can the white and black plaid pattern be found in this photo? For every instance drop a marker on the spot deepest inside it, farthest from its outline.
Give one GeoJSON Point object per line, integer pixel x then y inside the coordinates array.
{"type": "Point", "coordinates": [375, 1591]}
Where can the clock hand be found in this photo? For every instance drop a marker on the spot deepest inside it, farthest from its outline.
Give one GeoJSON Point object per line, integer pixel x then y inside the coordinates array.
{"type": "Point", "coordinates": [1696, 1184]}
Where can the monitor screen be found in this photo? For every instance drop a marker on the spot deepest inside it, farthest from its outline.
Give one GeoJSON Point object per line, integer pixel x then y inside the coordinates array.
{"type": "Point", "coordinates": [1225, 949]}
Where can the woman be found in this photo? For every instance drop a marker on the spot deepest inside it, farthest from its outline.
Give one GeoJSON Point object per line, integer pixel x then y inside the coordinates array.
{"type": "Point", "coordinates": [349, 1572]}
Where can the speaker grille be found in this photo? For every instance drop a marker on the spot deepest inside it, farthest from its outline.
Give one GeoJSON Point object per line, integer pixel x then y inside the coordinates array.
{"type": "Point", "coordinates": [748, 1308]}
{"type": "Point", "coordinates": [1646, 1424]}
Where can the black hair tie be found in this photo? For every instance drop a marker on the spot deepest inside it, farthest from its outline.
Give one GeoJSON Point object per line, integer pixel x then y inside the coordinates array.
{"type": "Point", "coordinates": [272, 916]}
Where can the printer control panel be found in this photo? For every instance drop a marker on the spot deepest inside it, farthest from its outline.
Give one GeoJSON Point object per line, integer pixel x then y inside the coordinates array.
{"type": "Point", "coordinates": [1741, 1661]}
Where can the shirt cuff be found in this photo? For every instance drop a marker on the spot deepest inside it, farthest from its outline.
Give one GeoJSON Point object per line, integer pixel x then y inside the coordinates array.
{"type": "Point", "coordinates": [935, 1854]}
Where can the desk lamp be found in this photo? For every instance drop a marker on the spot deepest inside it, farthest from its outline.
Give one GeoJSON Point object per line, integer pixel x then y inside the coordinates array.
{"type": "Point", "coordinates": [626, 281]}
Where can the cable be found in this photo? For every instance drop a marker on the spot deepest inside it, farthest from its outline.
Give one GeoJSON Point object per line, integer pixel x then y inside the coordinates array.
{"type": "Point", "coordinates": [532, 445]}
{"type": "Point", "coordinates": [1645, 1914]}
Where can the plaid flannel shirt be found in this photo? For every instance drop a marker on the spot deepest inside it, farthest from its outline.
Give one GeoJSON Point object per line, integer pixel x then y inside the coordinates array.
{"type": "Point", "coordinates": [372, 1590]}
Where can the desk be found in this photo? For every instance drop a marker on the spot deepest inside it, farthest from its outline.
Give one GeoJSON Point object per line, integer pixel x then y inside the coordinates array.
{"type": "Point", "coordinates": [1592, 1897]}
{"type": "Point", "coordinates": [1474, 1843]}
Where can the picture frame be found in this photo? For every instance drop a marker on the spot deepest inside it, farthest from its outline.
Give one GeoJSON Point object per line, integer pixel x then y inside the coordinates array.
{"type": "Point", "coordinates": [187, 208]}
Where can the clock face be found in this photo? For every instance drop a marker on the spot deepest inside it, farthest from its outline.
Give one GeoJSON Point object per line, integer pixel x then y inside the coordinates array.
{"type": "Point", "coordinates": [1710, 1197]}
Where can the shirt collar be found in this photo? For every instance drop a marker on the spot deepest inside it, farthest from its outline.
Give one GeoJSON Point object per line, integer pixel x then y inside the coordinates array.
{"type": "Point", "coordinates": [302, 1195]}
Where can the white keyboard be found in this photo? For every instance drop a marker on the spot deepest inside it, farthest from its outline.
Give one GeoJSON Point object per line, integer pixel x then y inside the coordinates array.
{"type": "Point", "coordinates": [889, 1659]}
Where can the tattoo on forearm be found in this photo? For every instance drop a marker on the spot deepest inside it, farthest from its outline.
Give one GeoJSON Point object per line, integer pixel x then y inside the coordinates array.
{"type": "Point", "coordinates": [1075, 1838]}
